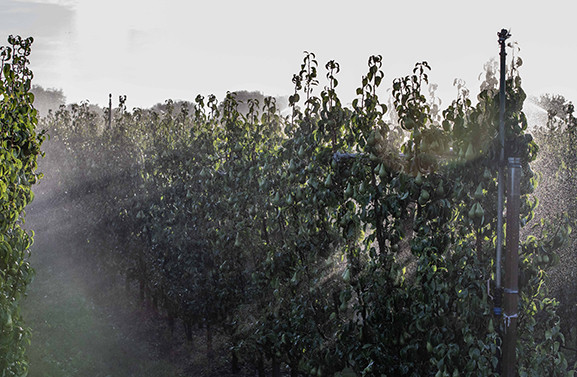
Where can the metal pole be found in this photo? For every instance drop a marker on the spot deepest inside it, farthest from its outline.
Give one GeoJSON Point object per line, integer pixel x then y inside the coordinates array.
{"type": "Point", "coordinates": [497, 310]}
{"type": "Point", "coordinates": [110, 110]}
{"type": "Point", "coordinates": [511, 289]}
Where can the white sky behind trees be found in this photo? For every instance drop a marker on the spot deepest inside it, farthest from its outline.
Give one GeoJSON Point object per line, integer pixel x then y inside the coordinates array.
{"type": "Point", "coordinates": [155, 50]}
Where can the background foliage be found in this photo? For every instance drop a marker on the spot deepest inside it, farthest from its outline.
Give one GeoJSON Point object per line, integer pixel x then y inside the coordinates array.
{"type": "Point", "coordinates": [557, 193]}
{"type": "Point", "coordinates": [330, 238]}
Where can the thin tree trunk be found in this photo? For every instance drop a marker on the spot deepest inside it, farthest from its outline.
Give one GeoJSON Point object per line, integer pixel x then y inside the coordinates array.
{"type": "Point", "coordinates": [142, 290]}
{"type": "Point", "coordinates": [275, 367]}
{"type": "Point", "coordinates": [209, 352]}
{"type": "Point", "coordinates": [235, 366]}
{"type": "Point", "coordinates": [188, 330]}
{"type": "Point", "coordinates": [260, 368]}
{"type": "Point", "coordinates": [171, 323]}
{"type": "Point", "coordinates": [479, 245]}
{"type": "Point", "coordinates": [294, 368]}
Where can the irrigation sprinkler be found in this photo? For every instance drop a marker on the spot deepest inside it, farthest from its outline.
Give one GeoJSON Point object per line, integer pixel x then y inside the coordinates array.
{"type": "Point", "coordinates": [497, 310]}
{"type": "Point", "coordinates": [508, 359]}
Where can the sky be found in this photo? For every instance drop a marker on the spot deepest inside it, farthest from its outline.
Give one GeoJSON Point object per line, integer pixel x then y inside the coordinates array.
{"type": "Point", "coordinates": [151, 51]}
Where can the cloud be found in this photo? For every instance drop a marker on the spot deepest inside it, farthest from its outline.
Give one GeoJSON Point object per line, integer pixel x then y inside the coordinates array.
{"type": "Point", "coordinates": [64, 3]}
{"type": "Point", "coordinates": [37, 19]}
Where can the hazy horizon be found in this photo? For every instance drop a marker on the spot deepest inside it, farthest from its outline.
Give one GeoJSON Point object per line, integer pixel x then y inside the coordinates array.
{"type": "Point", "coordinates": [173, 49]}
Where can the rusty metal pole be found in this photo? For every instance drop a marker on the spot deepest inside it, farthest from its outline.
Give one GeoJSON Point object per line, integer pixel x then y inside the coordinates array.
{"type": "Point", "coordinates": [511, 286]}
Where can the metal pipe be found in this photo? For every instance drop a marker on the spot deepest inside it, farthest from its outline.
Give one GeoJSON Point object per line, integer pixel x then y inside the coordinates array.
{"type": "Point", "coordinates": [503, 35]}
{"type": "Point", "coordinates": [511, 289]}
{"type": "Point", "coordinates": [497, 310]}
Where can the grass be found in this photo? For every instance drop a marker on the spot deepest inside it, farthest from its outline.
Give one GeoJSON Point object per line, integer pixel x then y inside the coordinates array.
{"type": "Point", "coordinates": [75, 333]}
{"type": "Point", "coordinates": [71, 337]}
{"type": "Point", "coordinates": [83, 324]}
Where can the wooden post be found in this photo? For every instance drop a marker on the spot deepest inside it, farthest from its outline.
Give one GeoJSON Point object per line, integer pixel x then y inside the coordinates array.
{"type": "Point", "coordinates": [511, 286]}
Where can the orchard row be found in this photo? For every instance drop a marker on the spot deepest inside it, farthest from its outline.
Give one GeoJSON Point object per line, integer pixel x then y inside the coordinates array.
{"type": "Point", "coordinates": [331, 238]}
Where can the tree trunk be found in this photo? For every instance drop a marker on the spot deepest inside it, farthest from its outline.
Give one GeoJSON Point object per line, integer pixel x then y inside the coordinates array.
{"type": "Point", "coordinates": [155, 302]}
{"type": "Point", "coordinates": [171, 323]}
{"type": "Point", "coordinates": [188, 330]}
{"type": "Point", "coordinates": [209, 353]}
{"type": "Point", "coordinates": [261, 371]}
{"type": "Point", "coordinates": [294, 368]}
{"type": "Point", "coordinates": [141, 290]}
{"type": "Point", "coordinates": [235, 366]}
{"type": "Point", "coordinates": [275, 367]}
{"type": "Point", "coordinates": [479, 245]}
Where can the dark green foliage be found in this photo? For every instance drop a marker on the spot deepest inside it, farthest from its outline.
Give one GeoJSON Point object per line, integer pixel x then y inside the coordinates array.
{"type": "Point", "coordinates": [556, 168]}
{"type": "Point", "coordinates": [311, 240]}
{"type": "Point", "coordinates": [19, 150]}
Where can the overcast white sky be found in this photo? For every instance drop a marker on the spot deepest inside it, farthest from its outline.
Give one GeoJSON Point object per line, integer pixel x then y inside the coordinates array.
{"type": "Point", "coordinates": [154, 50]}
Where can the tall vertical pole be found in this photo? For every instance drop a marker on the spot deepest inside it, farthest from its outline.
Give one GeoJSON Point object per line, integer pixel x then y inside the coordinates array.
{"type": "Point", "coordinates": [503, 35]}
{"type": "Point", "coordinates": [110, 110]}
{"type": "Point", "coordinates": [511, 289]}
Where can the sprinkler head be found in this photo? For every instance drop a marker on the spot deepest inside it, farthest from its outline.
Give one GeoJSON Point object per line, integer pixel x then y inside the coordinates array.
{"type": "Point", "coordinates": [503, 35]}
